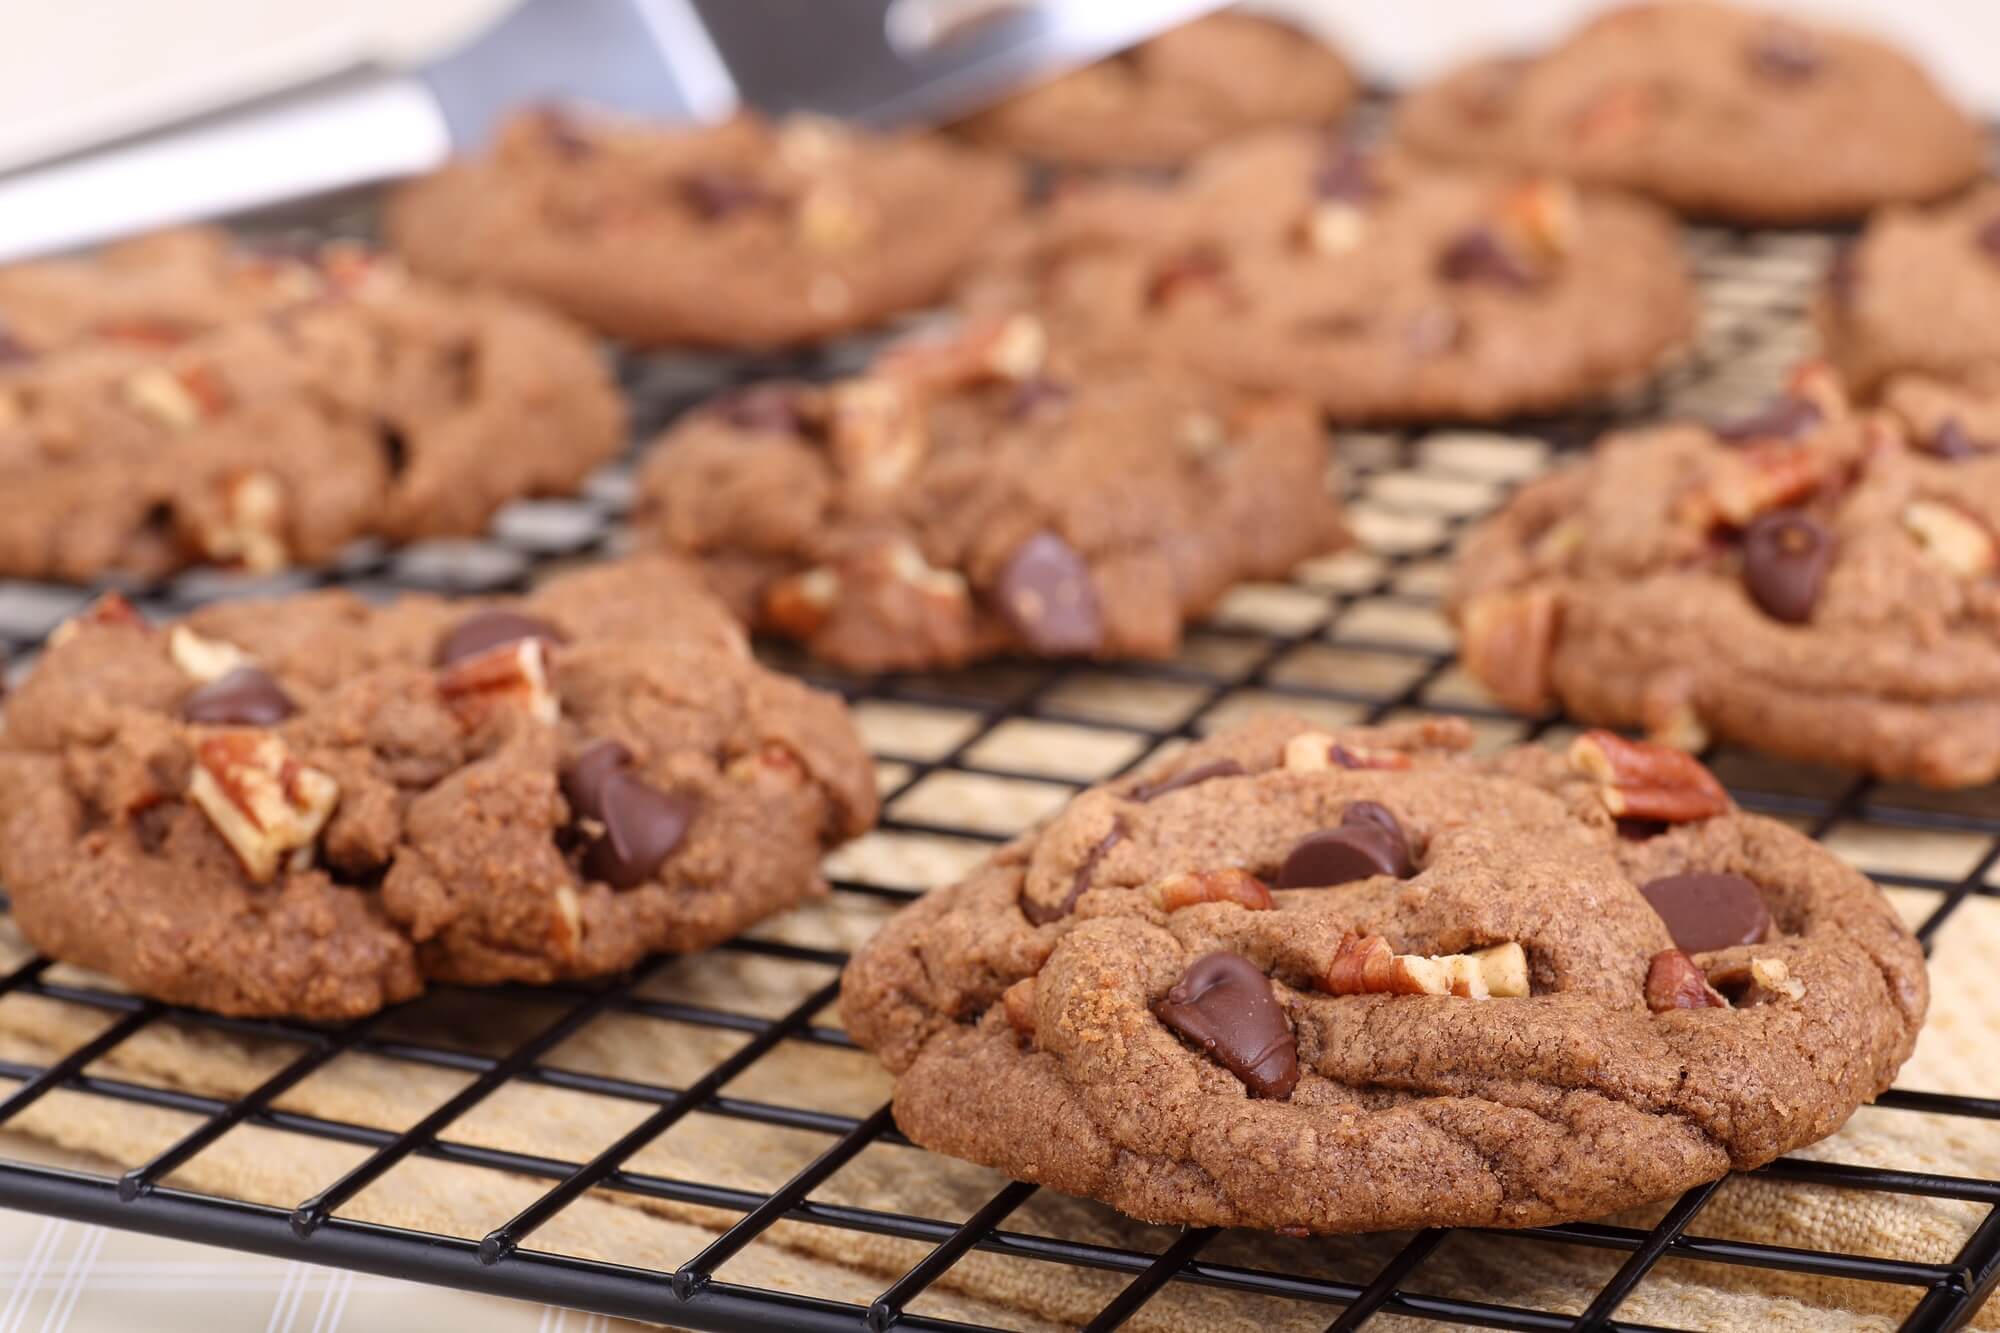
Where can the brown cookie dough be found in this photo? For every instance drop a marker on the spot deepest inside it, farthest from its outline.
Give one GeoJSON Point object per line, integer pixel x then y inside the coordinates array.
{"type": "Point", "coordinates": [1380, 287]}
{"type": "Point", "coordinates": [1918, 294]}
{"type": "Point", "coordinates": [743, 235]}
{"type": "Point", "coordinates": [970, 496]}
{"type": "Point", "coordinates": [1811, 582]}
{"type": "Point", "coordinates": [181, 399]}
{"type": "Point", "coordinates": [312, 807]}
{"type": "Point", "coordinates": [1360, 982]}
{"type": "Point", "coordinates": [1714, 110]}
{"type": "Point", "coordinates": [1165, 100]}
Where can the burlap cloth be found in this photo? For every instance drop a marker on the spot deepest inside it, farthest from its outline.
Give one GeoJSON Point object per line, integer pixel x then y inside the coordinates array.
{"type": "Point", "coordinates": [1402, 503]}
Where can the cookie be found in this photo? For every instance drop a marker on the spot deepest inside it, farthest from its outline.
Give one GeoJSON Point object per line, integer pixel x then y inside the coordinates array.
{"type": "Point", "coordinates": [744, 235]}
{"type": "Point", "coordinates": [1810, 581]}
{"type": "Point", "coordinates": [1919, 294]}
{"type": "Point", "coordinates": [181, 399]}
{"type": "Point", "coordinates": [970, 496]}
{"type": "Point", "coordinates": [1163, 101]}
{"type": "Point", "coordinates": [1716, 111]}
{"type": "Point", "coordinates": [312, 807]}
{"type": "Point", "coordinates": [1380, 287]}
{"type": "Point", "coordinates": [1360, 981]}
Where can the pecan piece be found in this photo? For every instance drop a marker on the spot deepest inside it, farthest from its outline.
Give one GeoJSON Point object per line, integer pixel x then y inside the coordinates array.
{"type": "Point", "coordinates": [266, 805]}
{"type": "Point", "coordinates": [1643, 780]}
{"type": "Point", "coordinates": [1752, 481]}
{"type": "Point", "coordinates": [1017, 1002]}
{"type": "Point", "coordinates": [1951, 537]}
{"type": "Point", "coordinates": [110, 609]}
{"type": "Point", "coordinates": [1012, 350]}
{"type": "Point", "coordinates": [203, 659]}
{"type": "Point", "coordinates": [250, 529]}
{"type": "Point", "coordinates": [1507, 639]}
{"type": "Point", "coordinates": [877, 432]}
{"type": "Point", "coordinates": [1191, 888]}
{"type": "Point", "coordinates": [512, 675]}
{"type": "Point", "coordinates": [1674, 982]}
{"type": "Point", "coordinates": [800, 604]}
{"type": "Point", "coordinates": [1366, 965]}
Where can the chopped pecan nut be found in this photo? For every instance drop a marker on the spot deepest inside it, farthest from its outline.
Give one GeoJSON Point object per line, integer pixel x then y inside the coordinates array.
{"type": "Point", "coordinates": [1642, 780]}
{"type": "Point", "coordinates": [158, 393]}
{"type": "Point", "coordinates": [266, 805]}
{"type": "Point", "coordinates": [110, 609]}
{"type": "Point", "coordinates": [1507, 639]}
{"type": "Point", "coordinates": [1540, 216]}
{"type": "Point", "coordinates": [566, 922]}
{"type": "Point", "coordinates": [1951, 537]}
{"type": "Point", "coordinates": [1191, 888]}
{"type": "Point", "coordinates": [1674, 982]}
{"type": "Point", "coordinates": [877, 432]}
{"type": "Point", "coordinates": [801, 604]}
{"type": "Point", "coordinates": [1365, 965]}
{"type": "Point", "coordinates": [1818, 383]}
{"type": "Point", "coordinates": [1335, 227]}
{"type": "Point", "coordinates": [203, 659]}
{"type": "Point", "coordinates": [250, 529]}
{"type": "Point", "coordinates": [1017, 1002]}
{"type": "Point", "coordinates": [512, 675]}
{"type": "Point", "coordinates": [1011, 349]}
{"type": "Point", "coordinates": [1752, 481]}
{"type": "Point", "coordinates": [1316, 752]}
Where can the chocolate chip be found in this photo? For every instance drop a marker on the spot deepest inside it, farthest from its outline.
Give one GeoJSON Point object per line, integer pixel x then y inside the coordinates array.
{"type": "Point", "coordinates": [490, 629]}
{"type": "Point", "coordinates": [246, 697]}
{"type": "Point", "coordinates": [642, 826]}
{"type": "Point", "coordinates": [1785, 54]}
{"type": "Point", "coordinates": [1952, 440]}
{"type": "Point", "coordinates": [1782, 419]}
{"type": "Point", "coordinates": [1705, 912]}
{"type": "Point", "coordinates": [1988, 236]}
{"type": "Point", "coordinates": [583, 781]}
{"type": "Point", "coordinates": [395, 446]}
{"type": "Point", "coordinates": [1152, 791]}
{"type": "Point", "coordinates": [715, 195]}
{"type": "Point", "coordinates": [761, 407]}
{"type": "Point", "coordinates": [1031, 396]}
{"type": "Point", "coordinates": [1370, 841]}
{"type": "Point", "coordinates": [1479, 255]}
{"type": "Point", "coordinates": [1345, 175]}
{"type": "Point", "coordinates": [1785, 557]}
{"type": "Point", "coordinates": [1224, 1005]}
{"type": "Point", "coordinates": [1040, 915]}
{"type": "Point", "coordinates": [1046, 594]}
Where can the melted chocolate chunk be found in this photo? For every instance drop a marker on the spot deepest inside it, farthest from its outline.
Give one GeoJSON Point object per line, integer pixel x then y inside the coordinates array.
{"type": "Point", "coordinates": [1480, 255]}
{"type": "Point", "coordinates": [1039, 915]}
{"type": "Point", "coordinates": [1705, 912]}
{"type": "Point", "coordinates": [1952, 440]}
{"type": "Point", "coordinates": [246, 697]}
{"type": "Point", "coordinates": [1785, 54]}
{"type": "Point", "coordinates": [1370, 841]}
{"type": "Point", "coordinates": [490, 629]}
{"type": "Point", "coordinates": [1783, 419]}
{"type": "Point", "coordinates": [642, 826]}
{"type": "Point", "coordinates": [1046, 595]}
{"type": "Point", "coordinates": [1224, 1005]}
{"type": "Point", "coordinates": [1152, 791]}
{"type": "Point", "coordinates": [583, 781]}
{"type": "Point", "coordinates": [1785, 559]}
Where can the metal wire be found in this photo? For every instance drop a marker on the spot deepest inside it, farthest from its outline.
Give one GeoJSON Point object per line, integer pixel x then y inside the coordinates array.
{"type": "Point", "coordinates": [1755, 289]}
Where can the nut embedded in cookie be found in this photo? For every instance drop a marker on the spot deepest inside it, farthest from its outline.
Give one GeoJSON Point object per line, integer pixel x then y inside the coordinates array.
{"type": "Point", "coordinates": [266, 805]}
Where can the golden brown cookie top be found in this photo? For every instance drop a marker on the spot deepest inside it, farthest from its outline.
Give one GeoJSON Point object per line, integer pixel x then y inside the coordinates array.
{"type": "Point", "coordinates": [1358, 980]}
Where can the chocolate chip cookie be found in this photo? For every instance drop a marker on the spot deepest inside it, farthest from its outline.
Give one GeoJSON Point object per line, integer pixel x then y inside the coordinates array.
{"type": "Point", "coordinates": [313, 806]}
{"type": "Point", "coordinates": [1812, 581]}
{"type": "Point", "coordinates": [971, 496]}
{"type": "Point", "coordinates": [1381, 287]}
{"type": "Point", "coordinates": [1165, 100]}
{"type": "Point", "coordinates": [1359, 981]}
{"type": "Point", "coordinates": [1917, 296]}
{"type": "Point", "coordinates": [1717, 111]}
{"type": "Point", "coordinates": [183, 399]}
{"type": "Point", "coordinates": [744, 235]}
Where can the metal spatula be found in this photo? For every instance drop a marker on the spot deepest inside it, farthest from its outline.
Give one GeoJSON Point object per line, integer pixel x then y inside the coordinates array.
{"type": "Point", "coordinates": [884, 62]}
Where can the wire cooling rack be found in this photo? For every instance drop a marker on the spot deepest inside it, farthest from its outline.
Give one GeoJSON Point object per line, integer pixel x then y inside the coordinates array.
{"type": "Point", "coordinates": [1355, 638]}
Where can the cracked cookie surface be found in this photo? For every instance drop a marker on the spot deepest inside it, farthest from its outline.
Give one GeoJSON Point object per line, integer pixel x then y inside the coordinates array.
{"type": "Point", "coordinates": [1813, 581]}
{"type": "Point", "coordinates": [1376, 285]}
{"type": "Point", "coordinates": [1163, 101]}
{"type": "Point", "coordinates": [1715, 110]}
{"type": "Point", "coordinates": [971, 495]}
{"type": "Point", "coordinates": [742, 235]}
{"type": "Point", "coordinates": [312, 806]}
{"type": "Point", "coordinates": [181, 399]}
{"type": "Point", "coordinates": [1505, 1033]}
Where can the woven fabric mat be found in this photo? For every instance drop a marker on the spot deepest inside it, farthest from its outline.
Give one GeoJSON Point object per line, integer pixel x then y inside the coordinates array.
{"type": "Point", "coordinates": [973, 754]}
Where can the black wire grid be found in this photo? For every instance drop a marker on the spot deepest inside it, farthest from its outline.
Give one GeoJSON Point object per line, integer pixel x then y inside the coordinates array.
{"type": "Point", "coordinates": [1752, 327]}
